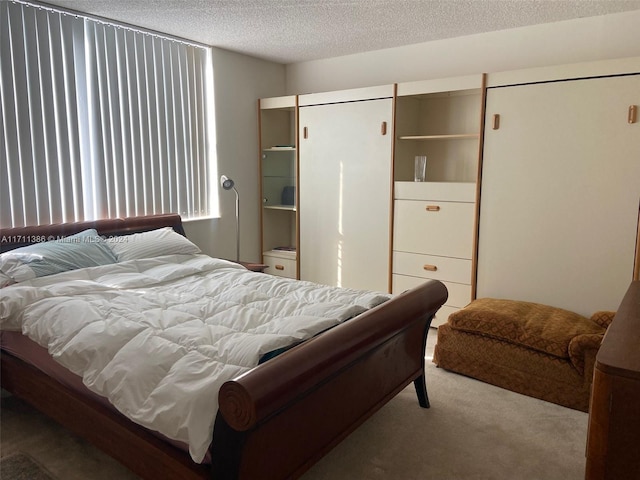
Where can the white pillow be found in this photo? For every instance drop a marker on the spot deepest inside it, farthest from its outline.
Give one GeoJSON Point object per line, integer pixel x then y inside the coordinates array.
{"type": "Point", "coordinates": [163, 241]}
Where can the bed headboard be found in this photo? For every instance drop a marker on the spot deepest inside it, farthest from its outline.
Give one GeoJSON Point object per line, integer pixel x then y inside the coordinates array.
{"type": "Point", "coordinates": [11, 238]}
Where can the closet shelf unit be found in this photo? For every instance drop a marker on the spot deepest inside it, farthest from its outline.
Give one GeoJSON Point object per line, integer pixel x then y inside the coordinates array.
{"type": "Point", "coordinates": [278, 117]}
{"type": "Point", "coordinates": [435, 222]}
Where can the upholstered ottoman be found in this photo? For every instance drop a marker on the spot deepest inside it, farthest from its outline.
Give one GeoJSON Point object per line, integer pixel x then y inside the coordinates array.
{"type": "Point", "coordinates": [533, 349]}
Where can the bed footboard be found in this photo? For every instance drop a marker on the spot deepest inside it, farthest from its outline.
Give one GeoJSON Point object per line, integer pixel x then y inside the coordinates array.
{"type": "Point", "coordinates": [284, 415]}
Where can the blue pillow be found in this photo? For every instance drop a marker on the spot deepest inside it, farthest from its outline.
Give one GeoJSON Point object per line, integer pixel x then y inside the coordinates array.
{"type": "Point", "coordinates": [84, 249]}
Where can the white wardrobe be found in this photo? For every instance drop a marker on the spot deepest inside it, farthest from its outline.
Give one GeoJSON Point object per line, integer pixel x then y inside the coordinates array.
{"type": "Point", "coordinates": [345, 187]}
{"type": "Point", "coordinates": [532, 190]}
{"type": "Point", "coordinates": [560, 192]}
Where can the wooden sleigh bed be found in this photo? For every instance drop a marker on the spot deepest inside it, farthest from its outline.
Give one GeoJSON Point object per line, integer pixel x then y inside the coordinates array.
{"type": "Point", "coordinates": [273, 422]}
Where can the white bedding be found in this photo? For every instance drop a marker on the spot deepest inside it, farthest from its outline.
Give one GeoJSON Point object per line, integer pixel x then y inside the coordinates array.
{"type": "Point", "coordinates": [159, 336]}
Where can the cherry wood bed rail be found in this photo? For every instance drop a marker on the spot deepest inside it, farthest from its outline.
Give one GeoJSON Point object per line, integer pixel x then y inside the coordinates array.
{"type": "Point", "coordinates": [284, 415]}
{"type": "Point", "coordinates": [250, 399]}
{"type": "Point", "coordinates": [274, 421]}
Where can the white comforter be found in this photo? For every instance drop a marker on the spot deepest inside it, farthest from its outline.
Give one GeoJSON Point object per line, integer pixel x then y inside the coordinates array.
{"type": "Point", "coordinates": [158, 337]}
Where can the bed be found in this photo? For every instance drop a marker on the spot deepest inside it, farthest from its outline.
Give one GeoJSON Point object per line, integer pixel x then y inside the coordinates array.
{"type": "Point", "coordinates": [274, 420]}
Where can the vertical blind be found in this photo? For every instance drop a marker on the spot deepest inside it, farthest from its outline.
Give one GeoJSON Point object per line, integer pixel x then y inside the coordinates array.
{"type": "Point", "coordinates": [100, 120]}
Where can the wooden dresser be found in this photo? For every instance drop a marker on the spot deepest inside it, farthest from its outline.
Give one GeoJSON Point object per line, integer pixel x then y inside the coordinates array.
{"type": "Point", "coordinates": [613, 445]}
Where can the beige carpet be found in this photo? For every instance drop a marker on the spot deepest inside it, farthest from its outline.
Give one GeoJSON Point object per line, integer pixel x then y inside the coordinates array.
{"type": "Point", "coordinates": [472, 431]}
{"type": "Point", "coordinates": [20, 466]}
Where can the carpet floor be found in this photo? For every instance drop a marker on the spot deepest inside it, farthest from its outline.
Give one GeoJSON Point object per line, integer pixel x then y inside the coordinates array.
{"type": "Point", "coordinates": [20, 466]}
{"type": "Point", "coordinates": [472, 431]}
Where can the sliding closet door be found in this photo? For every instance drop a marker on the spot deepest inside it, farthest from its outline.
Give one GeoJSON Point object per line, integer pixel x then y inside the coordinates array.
{"type": "Point", "coordinates": [345, 182]}
{"type": "Point", "coordinates": [560, 193]}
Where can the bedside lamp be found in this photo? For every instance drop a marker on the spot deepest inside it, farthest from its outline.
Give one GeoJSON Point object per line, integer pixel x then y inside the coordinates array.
{"type": "Point", "coordinates": [228, 184]}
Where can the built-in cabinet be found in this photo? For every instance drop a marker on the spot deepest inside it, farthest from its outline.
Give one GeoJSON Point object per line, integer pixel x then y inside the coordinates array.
{"type": "Point", "coordinates": [362, 221]}
{"type": "Point", "coordinates": [560, 192]}
{"type": "Point", "coordinates": [278, 184]}
{"type": "Point", "coordinates": [345, 187]}
{"type": "Point", "coordinates": [435, 221]}
{"type": "Point", "coordinates": [532, 187]}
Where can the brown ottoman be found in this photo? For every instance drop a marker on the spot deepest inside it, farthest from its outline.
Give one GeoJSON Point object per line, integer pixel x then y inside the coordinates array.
{"type": "Point", "coordinates": [529, 348]}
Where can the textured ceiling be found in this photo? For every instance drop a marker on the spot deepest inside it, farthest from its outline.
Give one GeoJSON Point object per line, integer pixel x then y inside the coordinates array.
{"type": "Point", "coordinates": [288, 31]}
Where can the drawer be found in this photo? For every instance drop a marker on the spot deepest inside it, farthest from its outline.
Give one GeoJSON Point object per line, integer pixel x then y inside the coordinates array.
{"type": "Point", "coordinates": [434, 228]}
{"type": "Point", "coordinates": [443, 191]}
{"type": "Point", "coordinates": [430, 266]}
{"type": "Point", "coordinates": [283, 267]}
{"type": "Point", "coordinates": [459, 293]}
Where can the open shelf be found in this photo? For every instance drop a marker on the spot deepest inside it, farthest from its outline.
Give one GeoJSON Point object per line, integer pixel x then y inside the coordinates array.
{"type": "Point", "coordinates": [278, 181]}
{"type": "Point", "coordinates": [444, 127]}
{"type": "Point", "coordinates": [290, 208]}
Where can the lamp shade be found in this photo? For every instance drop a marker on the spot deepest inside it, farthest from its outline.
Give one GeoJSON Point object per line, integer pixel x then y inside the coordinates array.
{"type": "Point", "coordinates": [226, 182]}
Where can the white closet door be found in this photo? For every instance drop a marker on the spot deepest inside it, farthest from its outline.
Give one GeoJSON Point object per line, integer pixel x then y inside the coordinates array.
{"type": "Point", "coordinates": [560, 193]}
{"type": "Point", "coordinates": [345, 192]}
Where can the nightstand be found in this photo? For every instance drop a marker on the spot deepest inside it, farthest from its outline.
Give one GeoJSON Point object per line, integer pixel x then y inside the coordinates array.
{"type": "Point", "coordinates": [254, 267]}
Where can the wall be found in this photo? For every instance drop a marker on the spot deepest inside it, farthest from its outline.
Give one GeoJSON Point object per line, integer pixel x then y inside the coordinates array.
{"type": "Point", "coordinates": [573, 41]}
{"type": "Point", "coordinates": [239, 81]}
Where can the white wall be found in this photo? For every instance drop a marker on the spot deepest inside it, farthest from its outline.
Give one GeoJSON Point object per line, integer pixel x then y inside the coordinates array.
{"type": "Point", "coordinates": [239, 80]}
{"type": "Point", "coordinates": [573, 41]}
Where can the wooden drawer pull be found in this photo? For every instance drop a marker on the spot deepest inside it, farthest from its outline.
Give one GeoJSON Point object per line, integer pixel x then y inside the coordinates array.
{"type": "Point", "coordinates": [633, 111]}
{"type": "Point", "coordinates": [433, 208]}
{"type": "Point", "coordinates": [431, 268]}
{"type": "Point", "coordinates": [279, 267]}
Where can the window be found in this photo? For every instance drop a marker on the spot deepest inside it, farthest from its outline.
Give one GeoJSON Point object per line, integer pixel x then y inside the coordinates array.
{"type": "Point", "coordinates": [101, 120]}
